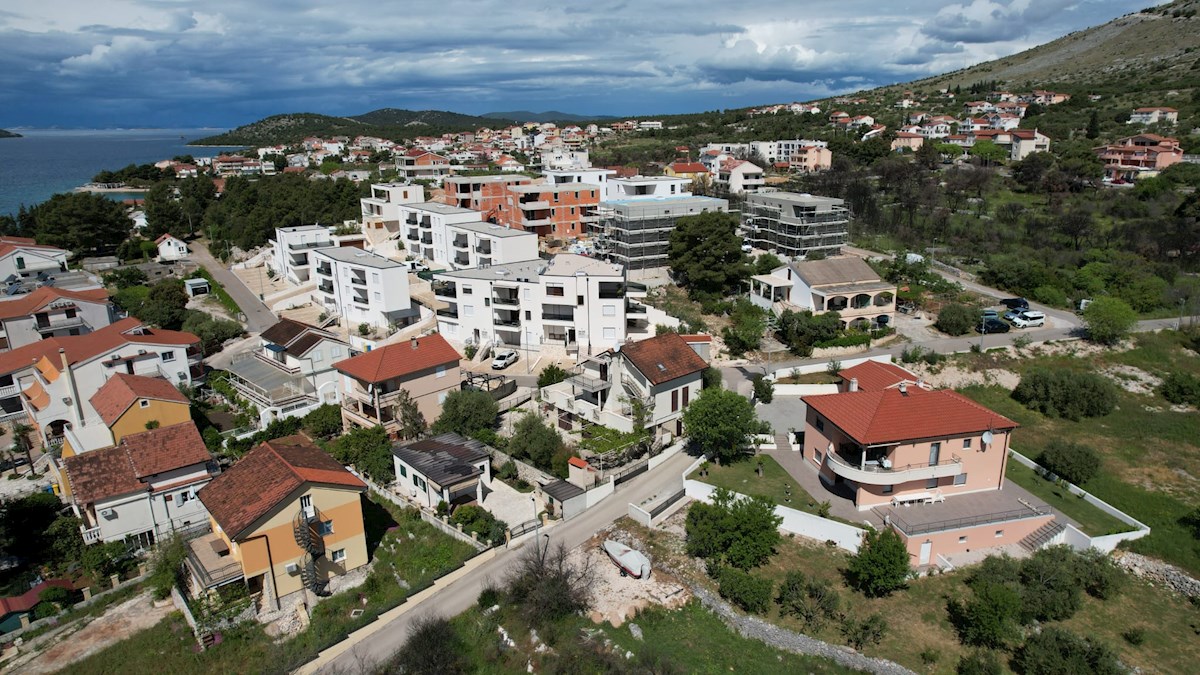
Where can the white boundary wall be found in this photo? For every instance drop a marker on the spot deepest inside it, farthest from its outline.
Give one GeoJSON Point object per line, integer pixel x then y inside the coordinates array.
{"type": "Point", "coordinates": [1077, 539]}
{"type": "Point", "coordinates": [822, 367]}
{"type": "Point", "coordinates": [805, 389]}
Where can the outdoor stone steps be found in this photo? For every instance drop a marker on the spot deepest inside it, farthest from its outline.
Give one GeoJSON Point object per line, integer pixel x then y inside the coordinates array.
{"type": "Point", "coordinates": [1042, 535]}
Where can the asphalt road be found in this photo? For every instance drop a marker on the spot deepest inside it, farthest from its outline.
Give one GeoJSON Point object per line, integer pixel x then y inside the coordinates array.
{"type": "Point", "coordinates": [258, 317]}
{"type": "Point", "coordinates": [462, 594]}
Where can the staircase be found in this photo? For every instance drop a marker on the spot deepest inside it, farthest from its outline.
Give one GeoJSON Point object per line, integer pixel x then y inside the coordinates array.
{"type": "Point", "coordinates": [308, 539]}
{"type": "Point", "coordinates": [783, 441]}
{"type": "Point", "coordinates": [1042, 536]}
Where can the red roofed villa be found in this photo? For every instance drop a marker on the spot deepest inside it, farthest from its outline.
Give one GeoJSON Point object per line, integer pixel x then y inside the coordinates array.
{"type": "Point", "coordinates": [426, 367]}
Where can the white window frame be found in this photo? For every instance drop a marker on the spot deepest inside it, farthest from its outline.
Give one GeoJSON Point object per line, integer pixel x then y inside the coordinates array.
{"type": "Point", "coordinates": [338, 556]}
{"type": "Point", "coordinates": [167, 356]}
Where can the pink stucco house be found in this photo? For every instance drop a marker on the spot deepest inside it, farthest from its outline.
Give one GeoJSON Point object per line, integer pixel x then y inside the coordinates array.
{"type": "Point", "coordinates": [928, 463]}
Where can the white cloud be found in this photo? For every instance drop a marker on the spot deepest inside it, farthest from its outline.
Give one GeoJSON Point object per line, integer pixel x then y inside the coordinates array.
{"type": "Point", "coordinates": [119, 53]}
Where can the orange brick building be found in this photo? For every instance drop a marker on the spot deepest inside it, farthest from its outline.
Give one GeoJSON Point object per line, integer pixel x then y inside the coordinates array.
{"type": "Point", "coordinates": [564, 211]}
{"type": "Point", "coordinates": [485, 194]}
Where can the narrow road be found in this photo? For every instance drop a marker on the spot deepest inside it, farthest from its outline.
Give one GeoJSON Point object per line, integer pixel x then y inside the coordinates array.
{"type": "Point", "coordinates": [462, 594]}
{"type": "Point", "coordinates": [258, 317]}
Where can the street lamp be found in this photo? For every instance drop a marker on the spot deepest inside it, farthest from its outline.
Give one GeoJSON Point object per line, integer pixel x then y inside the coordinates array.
{"type": "Point", "coordinates": [536, 521]}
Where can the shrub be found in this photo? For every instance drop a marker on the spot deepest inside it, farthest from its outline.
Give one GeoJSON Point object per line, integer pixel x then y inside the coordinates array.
{"type": "Point", "coordinates": [507, 470]}
{"type": "Point", "coordinates": [477, 520]}
{"type": "Point", "coordinates": [957, 319]}
{"type": "Point", "coordinates": [912, 354]}
{"type": "Point", "coordinates": [979, 663]}
{"type": "Point", "coordinates": [764, 389]}
{"type": "Point", "coordinates": [1109, 320]}
{"type": "Point", "coordinates": [166, 566]}
{"type": "Point", "coordinates": [861, 633]}
{"type": "Point", "coordinates": [324, 421]}
{"type": "Point", "coordinates": [1135, 636]}
{"type": "Point", "coordinates": [750, 592]}
{"type": "Point", "coordinates": [739, 532]}
{"type": "Point", "coordinates": [44, 610]}
{"type": "Point", "coordinates": [1101, 577]}
{"type": "Point", "coordinates": [489, 596]}
{"type": "Point", "coordinates": [881, 564]}
{"type": "Point", "coordinates": [812, 601]}
{"type": "Point", "coordinates": [364, 329]}
{"type": "Point", "coordinates": [1181, 388]}
{"type": "Point", "coordinates": [712, 378]}
{"type": "Point", "coordinates": [1067, 394]}
{"type": "Point", "coordinates": [470, 351]}
{"type": "Point", "coordinates": [991, 617]}
{"type": "Point", "coordinates": [1056, 650]}
{"type": "Point", "coordinates": [551, 374]}
{"type": "Point", "coordinates": [433, 647]}
{"type": "Point", "coordinates": [1052, 585]}
{"type": "Point", "coordinates": [55, 594]}
{"type": "Point", "coordinates": [547, 586]}
{"type": "Point", "coordinates": [1072, 461]}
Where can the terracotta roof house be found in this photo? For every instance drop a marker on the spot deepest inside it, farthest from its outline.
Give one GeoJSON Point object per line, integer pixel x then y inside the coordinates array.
{"type": "Point", "coordinates": [286, 519]}
{"type": "Point", "coordinates": [426, 367]}
{"type": "Point", "coordinates": [444, 468]}
{"type": "Point", "coordinates": [52, 312]}
{"type": "Point", "coordinates": [662, 373]}
{"type": "Point", "coordinates": [846, 285]}
{"type": "Point", "coordinates": [928, 463]}
{"type": "Point", "coordinates": [129, 403]}
{"type": "Point", "coordinates": [876, 376]}
{"type": "Point", "coordinates": [142, 488]}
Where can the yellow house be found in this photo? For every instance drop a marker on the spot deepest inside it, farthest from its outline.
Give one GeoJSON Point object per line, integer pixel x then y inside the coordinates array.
{"type": "Point", "coordinates": [131, 404]}
{"type": "Point", "coordinates": [287, 518]}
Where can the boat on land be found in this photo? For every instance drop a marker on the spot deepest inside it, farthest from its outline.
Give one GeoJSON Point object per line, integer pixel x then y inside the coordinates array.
{"type": "Point", "coordinates": [631, 563]}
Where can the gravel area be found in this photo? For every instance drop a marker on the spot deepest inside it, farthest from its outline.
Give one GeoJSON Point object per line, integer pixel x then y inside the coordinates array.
{"type": "Point", "coordinates": [617, 599]}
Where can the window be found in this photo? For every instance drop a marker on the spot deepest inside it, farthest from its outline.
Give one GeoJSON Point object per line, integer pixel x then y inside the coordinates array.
{"type": "Point", "coordinates": [819, 455]}
{"type": "Point", "coordinates": [144, 403]}
{"type": "Point", "coordinates": [685, 396]}
{"type": "Point", "coordinates": [674, 400]}
{"type": "Point", "coordinates": [318, 356]}
{"type": "Point", "coordinates": [185, 497]}
{"type": "Point", "coordinates": [468, 310]}
{"type": "Point", "coordinates": [419, 482]}
{"type": "Point", "coordinates": [572, 210]}
{"type": "Point", "coordinates": [466, 290]}
{"type": "Point", "coordinates": [441, 371]}
{"type": "Point", "coordinates": [528, 316]}
{"type": "Point", "coordinates": [20, 263]}
{"type": "Point", "coordinates": [168, 356]}
{"type": "Point", "coordinates": [960, 479]}
{"type": "Point", "coordinates": [966, 444]}
{"type": "Point", "coordinates": [610, 333]}
{"type": "Point", "coordinates": [403, 471]}
{"type": "Point", "coordinates": [931, 483]}
{"type": "Point", "coordinates": [962, 539]}
{"type": "Point", "coordinates": [335, 351]}
{"type": "Point", "coordinates": [378, 296]}
{"type": "Point", "coordinates": [442, 397]}
{"type": "Point", "coordinates": [887, 489]}
{"type": "Point", "coordinates": [999, 534]}
{"type": "Point", "coordinates": [820, 424]}
{"type": "Point", "coordinates": [338, 555]}
{"type": "Point", "coordinates": [579, 300]}
{"type": "Point", "coordinates": [374, 277]}
{"type": "Point", "coordinates": [556, 291]}
{"type": "Point", "coordinates": [326, 527]}
{"type": "Point", "coordinates": [610, 310]}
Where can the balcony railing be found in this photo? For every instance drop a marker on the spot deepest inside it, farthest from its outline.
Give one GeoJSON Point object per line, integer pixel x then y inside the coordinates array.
{"type": "Point", "coordinates": [10, 390]}
{"type": "Point", "coordinates": [510, 323]}
{"type": "Point", "coordinates": [874, 473]}
{"type": "Point", "coordinates": [426, 238]}
{"type": "Point", "coordinates": [357, 280]}
{"type": "Point", "coordinates": [506, 300]}
{"type": "Point", "coordinates": [325, 270]}
{"type": "Point", "coordinates": [91, 535]}
{"type": "Point", "coordinates": [462, 243]}
{"type": "Point", "coordinates": [445, 290]}
{"type": "Point", "coordinates": [484, 249]}
{"type": "Point", "coordinates": [325, 287]}
{"type": "Point", "coordinates": [958, 523]}
{"type": "Point", "coordinates": [448, 313]}
{"type": "Point", "coordinates": [303, 245]}
{"type": "Point", "coordinates": [589, 384]}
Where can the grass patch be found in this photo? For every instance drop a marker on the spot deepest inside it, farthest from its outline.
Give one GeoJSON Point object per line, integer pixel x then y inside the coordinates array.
{"type": "Point", "coordinates": [1091, 520]}
{"type": "Point", "coordinates": [775, 484]}
{"type": "Point", "coordinates": [822, 377]}
{"type": "Point", "coordinates": [218, 291]}
{"type": "Point", "coordinates": [410, 550]}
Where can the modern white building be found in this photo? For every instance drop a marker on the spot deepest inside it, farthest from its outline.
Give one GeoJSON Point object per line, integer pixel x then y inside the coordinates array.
{"type": "Point", "coordinates": [739, 176]}
{"type": "Point", "coordinates": [589, 175]}
{"type": "Point", "coordinates": [636, 232]}
{"type": "Point", "coordinates": [361, 287]}
{"type": "Point", "coordinates": [794, 225]}
{"type": "Point", "coordinates": [381, 209]}
{"type": "Point", "coordinates": [291, 250]}
{"type": "Point", "coordinates": [646, 187]}
{"type": "Point", "coordinates": [467, 245]}
{"type": "Point", "coordinates": [291, 372]}
{"type": "Point", "coordinates": [171, 248]}
{"type": "Point", "coordinates": [563, 158]}
{"type": "Point", "coordinates": [846, 285]}
{"type": "Point", "coordinates": [571, 301]}
{"type": "Point", "coordinates": [52, 312]}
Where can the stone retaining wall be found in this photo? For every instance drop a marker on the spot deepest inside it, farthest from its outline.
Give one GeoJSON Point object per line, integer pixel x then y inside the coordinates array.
{"type": "Point", "coordinates": [1158, 573]}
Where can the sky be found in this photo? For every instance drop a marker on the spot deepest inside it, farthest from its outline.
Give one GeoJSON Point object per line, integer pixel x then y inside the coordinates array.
{"type": "Point", "coordinates": [222, 63]}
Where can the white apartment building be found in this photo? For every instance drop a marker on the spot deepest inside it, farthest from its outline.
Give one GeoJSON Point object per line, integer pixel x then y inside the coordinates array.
{"type": "Point", "coordinates": [588, 175]}
{"type": "Point", "coordinates": [572, 301]}
{"type": "Point", "coordinates": [793, 225]}
{"type": "Point", "coordinates": [456, 237]}
{"type": "Point", "coordinates": [1154, 116]}
{"type": "Point", "coordinates": [291, 250]}
{"type": "Point", "coordinates": [646, 187]}
{"type": "Point", "coordinates": [771, 151]}
{"type": "Point", "coordinates": [739, 176]}
{"type": "Point", "coordinates": [563, 158]}
{"type": "Point", "coordinates": [381, 209]}
{"type": "Point", "coordinates": [362, 287]}
{"type": "Point", "coordinates": [52, 312]}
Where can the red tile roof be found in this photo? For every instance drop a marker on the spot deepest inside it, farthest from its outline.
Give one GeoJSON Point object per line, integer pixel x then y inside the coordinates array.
{"type": "Point", "coordinates": [895, 416]}
{"type": "Point", "coordinates": [115, 396]}
{"type": "Point", "coordinates": [265, 476]}
{"type": "Point", "coordinates": [876, 376]}
{"type": "Point", "coordinates": [663, 358]}
{"type": "Point", "coordinates": [29, 303]}
{"type": "Point", "coordinates": [688, 167]}
{"type": "Point", "coordinates": [86, 347]}
{"type": "Point", "coordinates": [401, 359]}
{"type": "Point", "coordinates": [124, 468]}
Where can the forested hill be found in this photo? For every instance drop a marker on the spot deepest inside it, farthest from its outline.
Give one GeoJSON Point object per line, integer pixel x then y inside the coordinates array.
{"type": "Point", "coordinates": [391, 123]}
{"type": "Point", "coordinates": [4, 133]}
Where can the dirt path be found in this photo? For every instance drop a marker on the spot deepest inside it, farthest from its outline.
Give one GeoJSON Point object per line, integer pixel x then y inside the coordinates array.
{"type": "Point", "coordinates": [118, 623]}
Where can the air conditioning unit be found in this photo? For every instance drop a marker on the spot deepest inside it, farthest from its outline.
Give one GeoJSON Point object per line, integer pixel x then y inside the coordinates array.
{"type": "Point", "coordinates": [108, 513]}
{"type": "Point", "coordinates": [292, 568]}
{"type": "Point", "coordinates": [141, 352]}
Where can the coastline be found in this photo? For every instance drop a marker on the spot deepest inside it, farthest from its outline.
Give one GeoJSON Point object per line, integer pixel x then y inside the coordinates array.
{"type": "Point", "coordinates": [96, 188]}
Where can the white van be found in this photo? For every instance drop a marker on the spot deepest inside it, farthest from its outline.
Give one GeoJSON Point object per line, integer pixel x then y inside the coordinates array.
{"type": "Point", "coordinates": [1030, 318]}
{"type": "Point", "coordinates": [415, 266]}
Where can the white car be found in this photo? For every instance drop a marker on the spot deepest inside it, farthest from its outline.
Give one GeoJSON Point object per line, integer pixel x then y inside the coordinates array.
{"type": "Point", "coordinates": [504, 359]}
{"type": "Point", "coordinates": [1030, 318]}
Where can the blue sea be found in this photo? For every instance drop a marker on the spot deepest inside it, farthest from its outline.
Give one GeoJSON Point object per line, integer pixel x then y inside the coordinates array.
{"type": "Point", "coordinates": [46, 161]}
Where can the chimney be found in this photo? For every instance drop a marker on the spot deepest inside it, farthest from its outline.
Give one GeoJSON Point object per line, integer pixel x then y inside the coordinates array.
{"type": "Point", "coordinates": [413, 342]}
{"type": "Point", "coordinates": [854, 384]}
{"type": "Point", "coordinates": [903, 389]}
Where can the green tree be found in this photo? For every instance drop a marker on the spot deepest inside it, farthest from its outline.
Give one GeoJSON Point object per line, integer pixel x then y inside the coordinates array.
{"type": "Point", "coordinates": [536, 441]}
{"type": "Point", "coordinates": [22, 445]}
{"type": "Point", "coordinates": [764, 389]}
{"type": "Point", "coordinates": [433, 647]}
{"type": "Point", "coordinates": [1093, 127]}
{"type": "Point", "coordinates": [1053, 584]}
{"type": "Point", "coordinates": [165, 305]}
{"type": "Point", "coordinates": [747, 324]}
{"type": "Point", "coordinates": [991, 617]}
{"type": "Point", "coordinates": [325, 421]}
{"type": "Point", "coordinates": [82, 222]}
{"type": "Point", "coordinates": [750, 592]}
{"type": "Point", "coordinates": [812, 601]}
{"type": "Point", "coordinates": [478, 520]}
{"type": "Point", "coordinates": [1109, 320]}
{"type": "Point", "coordinates": [1065, 393]}
{"type": "Point", "coordinates": [213, 332]}
{"type": "Point", "coordinates": [705, 255]}
{"type": "Point", "coordinates": [467, 412]}
{"type": "Point", "coordinates": [801, 330]}
{"type": "Point", "coordinates": [739, 532]}
{"type": "Point", "coordinates": [979, 663]}
{"type": "Point", "coordinates": [1055, 651]}
{"type": "Point", "coordinates": [957, 319]}
{"type": "Point", "coordinates": [1075, 462]}
{"type": "Point", "coordinates": [720, 423]}
{"type": "Point", "coordinates": [408, 416]}
{"type": "Point", "coordinates": [767, 263]}
{"type": "Point", "coordinates": [551, 374]}
{"type": "Point", "coordinates": [881, 564]}
{"type": "Point", "coordinates": [369, 449]}
{"type": "Point", "coordinates": [861, 633]}
{"type": "Point", "coordinates": [988, 152]}
{"type": "Point", "coordinates": [125, 278]}
{"type": "Point", "coordinates": [163, 213]}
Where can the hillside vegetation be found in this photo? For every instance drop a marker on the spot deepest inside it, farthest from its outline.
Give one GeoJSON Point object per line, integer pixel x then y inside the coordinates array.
{"type": "Point", "coordinates": [391, 123]}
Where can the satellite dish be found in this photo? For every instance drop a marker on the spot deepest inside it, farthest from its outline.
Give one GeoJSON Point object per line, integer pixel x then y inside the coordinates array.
{"type": "Point", "coordinates": [988, 437]}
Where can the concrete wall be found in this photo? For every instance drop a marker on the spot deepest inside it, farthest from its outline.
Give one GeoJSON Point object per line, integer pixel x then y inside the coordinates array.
{"type": "Point", "coordinates": [822, 367]}
{"type": "Point", "coordinates": [805, 389]}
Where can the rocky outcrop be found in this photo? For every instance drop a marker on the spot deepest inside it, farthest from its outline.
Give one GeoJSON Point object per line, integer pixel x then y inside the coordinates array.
{"type": "Point", "coordinates": [1158, 573]}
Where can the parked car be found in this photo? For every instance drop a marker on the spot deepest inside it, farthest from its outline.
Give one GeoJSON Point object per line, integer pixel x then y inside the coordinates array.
{"type": "Point", "coordinates": [1030, 318]}
{"type": "Point", "coordinates": [415, 266]}
{"type": "Point", "coordinates": [990, 314]}
{"type": "Point", "coordinates": [1012, 314]}
{"type": "Point", "coordinates": [1015, 303]}
{"type": "Point", "coordinates": [992, 326]}
{"type": "Point", "coordinates": [504, 359]}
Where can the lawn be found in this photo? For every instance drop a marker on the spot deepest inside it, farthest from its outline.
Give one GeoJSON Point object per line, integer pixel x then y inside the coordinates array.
{"type": "Point", "coordinates": [1150, 453]}
{"type": "Point", "coordinates": [404, 547]}
{"type": "Point", "coordinates": [918, 620]}
{"type": "Point", "coordinates": [1091, 520]}
{"type": "Point", "coordinates": [775, 484]}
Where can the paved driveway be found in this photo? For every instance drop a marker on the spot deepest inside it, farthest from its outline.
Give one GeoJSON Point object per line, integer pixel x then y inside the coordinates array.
{"type": "Point", "coordinates": [510, 505]}
{"type": "Point", "coordinates": [258, 317]}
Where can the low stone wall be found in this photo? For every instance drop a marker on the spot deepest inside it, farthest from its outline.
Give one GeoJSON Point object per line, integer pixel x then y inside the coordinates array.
{"type": "Point", "coordinates": [527, 472]}
{"type": "Point", "coordinates": [1158, 573]}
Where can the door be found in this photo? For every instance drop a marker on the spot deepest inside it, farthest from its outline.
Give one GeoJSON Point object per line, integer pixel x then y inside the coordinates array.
{"type": "Point", "coordinates": [935, 450]}
{"type": "Point", "coordinates": [926, 549]}
{"type": "Point", "coordinates": [306, 506]}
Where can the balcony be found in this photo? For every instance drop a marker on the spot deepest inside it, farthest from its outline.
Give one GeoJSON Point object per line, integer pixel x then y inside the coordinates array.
{"type": "Point", "coordinates": [268, 383]}
{"type": "Point", "coordinates": [61, 324]}
{"type": "Point", "coordinates": [427, 238]}
{"type": "Point", "coordinates": [325, 287]}
{"type": "Point", "coordinates": [10, 390]}
{"type": "Point", "coordinates": [357, 280]}
{"type": "Point", "coordinates": [426, 223]}
{"type": "Point", "coordinates": [514, 322]}
{"type": "Point", "coordinates": [411, 219]}
{"type": "Point", "coordinates": [535, 205]}
{"type": "Point", "coordinates": [611, 290]}
{"type": "Point", "coordinates": [449, 313]}
{"type": "Point", "coordinates": [563, 317]}
{"type": "Point", "coordinates": [875, 473]}
{"type": "Point", "coordinates": [91, 535]}
{"type": "Point", "coordinates": [484, 249]}
{"type": "Point", "coordinates": [634, 308]}
{"type": "Point", "coordinates": [305, 245]}
{"type": "Point", "coordinates": [211, 562]}
{"type": "Point", "coordinates": [461, 242]}
{"type": "Point", "coordinates": [462, 258]}
{"type": "Point", "coordinates": [501, 299]}
{"type": "Point", "coordinates": [325, 269]}
{"type": "Point", "coordinates": [445, 290]}
{"type": "Point", "coordinates": [588, 384]}
{"type": "Point", "coordinates": [413, 236]}
{"type": "Point", "coordinates": [360, 299]}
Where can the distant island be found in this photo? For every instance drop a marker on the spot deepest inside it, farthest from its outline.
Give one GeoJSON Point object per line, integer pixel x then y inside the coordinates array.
{"type": "Point", "coordinates": [4, 133]}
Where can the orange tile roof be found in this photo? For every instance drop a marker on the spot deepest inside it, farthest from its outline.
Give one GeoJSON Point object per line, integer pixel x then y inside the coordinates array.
{"type": "Point", "coordinates": [663, 358]}
{"type": "Point", "coordinates": [266, 475]}
{"type": "Point", "coordinates": [81, 348]}
{"type": "Point", "coordinates": [876, 376]}
{"type": "Point", "coordinates": [400, 360]}
{"type": "Point", "coordinates": [688, 167]}
{"type": "Point", "coordinates": [895, 416]}
{"type": "Point", "coordinates": [115, 396]}
{"type": "Point", "coordinates": [29, 303]}
{"type": "Point", "coordinates": [124, 468]}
